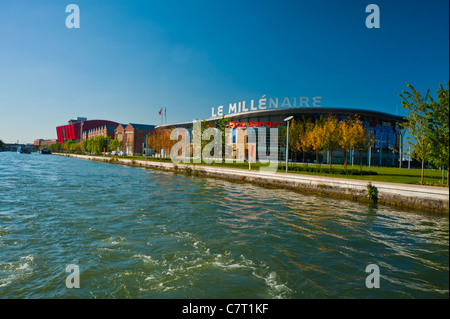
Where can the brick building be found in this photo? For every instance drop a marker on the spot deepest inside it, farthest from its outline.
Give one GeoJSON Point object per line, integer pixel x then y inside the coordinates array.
{"type": "Point", "coordinates": [40, 142]}
{"type": "Point", "coordinates": [104, 130]}
{"type": "Point", "coordinates": [133, 137]}
{"type": "Point", "coordinates": [120, 132]}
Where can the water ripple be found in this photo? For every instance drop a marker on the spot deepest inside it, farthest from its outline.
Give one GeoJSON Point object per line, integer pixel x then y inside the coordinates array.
{"type": "Point", "coordinates": [138, 233]}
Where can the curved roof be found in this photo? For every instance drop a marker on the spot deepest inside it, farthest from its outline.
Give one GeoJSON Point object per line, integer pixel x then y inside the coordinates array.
{"type": "Point", "coordinates": [303, 111]}
{"type": "Point", "coordinates": [311, 110]}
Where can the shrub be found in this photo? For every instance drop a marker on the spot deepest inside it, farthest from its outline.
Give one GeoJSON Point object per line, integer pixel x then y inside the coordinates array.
{"type": "Point", "coordinates": [327, 170]}
{"type": "Point", "coordinates": [372, 192]}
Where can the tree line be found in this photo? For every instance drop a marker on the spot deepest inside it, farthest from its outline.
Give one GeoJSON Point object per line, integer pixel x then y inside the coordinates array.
{"type": "Point", "coordinates": [306, 136]}
{"type": "Point", "coordinates": [97, 145]}
{"type": "Point", "coordinates": [327, 134]}
{"type": "Point", "coordinates": [159, 141]}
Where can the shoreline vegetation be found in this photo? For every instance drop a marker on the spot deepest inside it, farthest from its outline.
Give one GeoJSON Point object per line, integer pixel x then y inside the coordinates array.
{"type": "Point", "coordinates": [361, 192]}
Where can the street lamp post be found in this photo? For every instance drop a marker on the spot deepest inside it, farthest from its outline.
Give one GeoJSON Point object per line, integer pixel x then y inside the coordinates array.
{"type": "Point", "coordinates": [81, 131]}
{"type": "Point", "coordinates": [400, 144]}
{"type": "Point", "coordinates": [287, 139]}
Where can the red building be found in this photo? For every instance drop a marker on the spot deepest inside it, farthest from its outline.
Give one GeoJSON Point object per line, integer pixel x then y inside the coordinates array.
{"type": "Point", "coordinates": [74, 130]}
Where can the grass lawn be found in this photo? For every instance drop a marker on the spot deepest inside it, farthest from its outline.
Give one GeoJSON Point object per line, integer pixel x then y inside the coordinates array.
{"type": "Point", "coordinates": [391, 174]}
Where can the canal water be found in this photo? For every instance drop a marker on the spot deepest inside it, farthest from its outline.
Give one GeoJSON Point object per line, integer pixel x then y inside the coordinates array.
{"type": "Point", "coordinates": [140, 233]}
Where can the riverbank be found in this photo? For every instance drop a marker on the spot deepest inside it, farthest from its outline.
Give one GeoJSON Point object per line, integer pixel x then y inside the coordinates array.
{"type": "Point", "coordinates": [403, 195]}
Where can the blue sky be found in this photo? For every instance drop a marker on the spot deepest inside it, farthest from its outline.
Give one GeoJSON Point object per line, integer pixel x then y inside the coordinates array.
{"type": "Point", "coordinates": [130, 58]}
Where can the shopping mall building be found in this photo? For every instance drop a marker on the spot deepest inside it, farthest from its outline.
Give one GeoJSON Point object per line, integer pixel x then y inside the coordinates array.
{"type": "Point", "coordinates": [385, 128]}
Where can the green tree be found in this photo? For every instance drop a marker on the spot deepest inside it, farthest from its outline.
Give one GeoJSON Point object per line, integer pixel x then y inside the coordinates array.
{"type": "Point", "coordinates": [417, 124]}
{"type": "Point", "coordinates": [69, 145]}
{"type": "Point", "coordinates": [282, 131]}
{"type": "Point", "coordinates": [438, 129]}
{"type": "Point", "coordinates": [99, 144]}
{"type": "Point", "coordinates": [89, 145]}
{"type": "Point", "coordinates": [56, 147]}
{"type": "Point", "coordinates": [84, 146]}
{"type": "Point", "coordinates": [222, 124]}
{"type": "Point", "coordinates": [197, 148]}
{"type": "Point", "coordinates": [113, 144]}
{"type": "Point", "coordinates": [203, 127]}
{"type": "Point", "coordinates": [73, 146]}
{"type": "Point", "coordinates": [2, 145]}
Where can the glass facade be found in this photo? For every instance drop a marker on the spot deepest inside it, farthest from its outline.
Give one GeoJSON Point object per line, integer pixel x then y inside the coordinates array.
{"type": "Point", "coordinates": [384, 151]}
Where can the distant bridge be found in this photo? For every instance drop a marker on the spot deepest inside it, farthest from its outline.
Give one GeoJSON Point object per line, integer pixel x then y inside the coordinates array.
{"type": "Point", "coordinates": [13, 147]}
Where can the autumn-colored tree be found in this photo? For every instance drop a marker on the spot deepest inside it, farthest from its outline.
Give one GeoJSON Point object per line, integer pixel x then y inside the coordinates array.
{"type": "Point", "coordinates": [166, 142]}
{"type": "Point", "coordinates": [316, 139]}
{"type": "Point", "coordinates": [302, 141]}
{"type": "Point", "coordinates": [155, 140]}
{"type": "Point", "coordinates": [363, 140]}
{"type": "Point", "coordinates": [70, 145]}
{"type": "Point", "coordinates": [330, 135]}
{"type": "Point", "coordinates": [151, 140]}
{"type": "Point", "coordinates": [347, 140]}
{"type": "Point", "coordinates": [158, 141]}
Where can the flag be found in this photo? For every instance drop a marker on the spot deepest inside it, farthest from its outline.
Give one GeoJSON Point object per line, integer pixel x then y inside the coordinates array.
{"type": "Point", "coordinates": [160, 111]}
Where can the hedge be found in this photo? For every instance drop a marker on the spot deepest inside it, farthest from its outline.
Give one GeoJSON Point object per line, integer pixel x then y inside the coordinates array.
{"type": "Point", "coordinates": [327, 170]}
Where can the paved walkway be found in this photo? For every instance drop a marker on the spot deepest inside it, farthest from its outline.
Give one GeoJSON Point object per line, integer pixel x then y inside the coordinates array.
{"type": "Point", "coordinates": [408, 190]}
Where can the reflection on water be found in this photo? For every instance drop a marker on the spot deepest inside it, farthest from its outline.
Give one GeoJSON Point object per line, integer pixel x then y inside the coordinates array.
{"type": "Point", "coordinates": [138, 233]}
